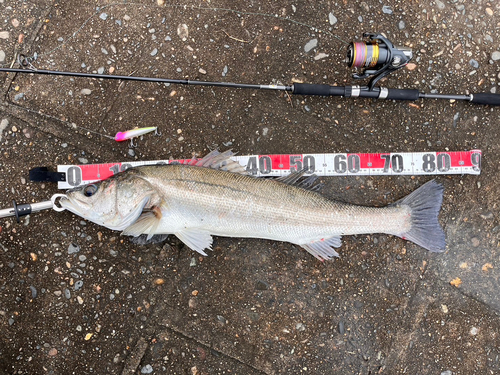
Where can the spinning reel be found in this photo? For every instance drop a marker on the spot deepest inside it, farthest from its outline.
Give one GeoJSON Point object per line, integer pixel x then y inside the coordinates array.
{"type": "Point", "coordinates": [377, 58]}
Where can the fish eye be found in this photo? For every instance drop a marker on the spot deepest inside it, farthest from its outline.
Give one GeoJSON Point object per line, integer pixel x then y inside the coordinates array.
{"type": "Point", "coordinates": [89, 190]}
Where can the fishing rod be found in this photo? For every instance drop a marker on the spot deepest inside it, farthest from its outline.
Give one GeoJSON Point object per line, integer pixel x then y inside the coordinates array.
{"type": "Point", "coordinates": [376, 58]}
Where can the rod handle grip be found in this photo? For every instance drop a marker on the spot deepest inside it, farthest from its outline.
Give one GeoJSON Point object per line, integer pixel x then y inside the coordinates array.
{"type": "Point", "coordinates": [311, 89]}
{"type": "Point", "coordinates": [403, 94]}
{"type": "Point", "coordinates": [486, 98]}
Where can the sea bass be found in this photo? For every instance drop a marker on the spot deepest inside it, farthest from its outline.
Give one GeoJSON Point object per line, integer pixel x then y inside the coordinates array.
{"type": "Point", "coordinates": [214, 196]}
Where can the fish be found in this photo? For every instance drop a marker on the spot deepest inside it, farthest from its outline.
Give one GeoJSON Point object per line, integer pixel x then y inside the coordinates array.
{"type": "Point", "coordinates": [214, 196]}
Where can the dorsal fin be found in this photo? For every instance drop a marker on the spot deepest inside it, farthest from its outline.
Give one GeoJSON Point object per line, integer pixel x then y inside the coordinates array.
{"type": "Point", "coordinates": [294, 177]}
{"type": "Point", "coordinates": [221, 161]}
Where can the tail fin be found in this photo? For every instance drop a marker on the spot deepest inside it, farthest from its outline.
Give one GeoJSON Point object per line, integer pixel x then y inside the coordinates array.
{"type": "Point", "coordinates": [425, 203]}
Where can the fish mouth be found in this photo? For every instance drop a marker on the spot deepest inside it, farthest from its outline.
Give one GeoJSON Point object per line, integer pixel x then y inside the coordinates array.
{"type": "Point", "coordinates": [74, 205]}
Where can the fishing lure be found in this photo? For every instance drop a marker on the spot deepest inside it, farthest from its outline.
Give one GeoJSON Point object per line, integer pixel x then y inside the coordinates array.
{"type": "Point", "coordinates": [129, 134]}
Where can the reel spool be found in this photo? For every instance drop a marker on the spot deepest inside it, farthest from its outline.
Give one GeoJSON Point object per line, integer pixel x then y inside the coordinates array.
{"type": "Point", "coordinates": [376, 58]}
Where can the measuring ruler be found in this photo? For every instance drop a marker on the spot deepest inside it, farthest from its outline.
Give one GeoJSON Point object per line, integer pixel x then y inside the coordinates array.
{"type": "Point", "coordinates": [342, 164]}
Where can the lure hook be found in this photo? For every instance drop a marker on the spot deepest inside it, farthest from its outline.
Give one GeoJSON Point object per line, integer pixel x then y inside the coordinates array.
{"type": "Point", "coordinates": [132, 144]}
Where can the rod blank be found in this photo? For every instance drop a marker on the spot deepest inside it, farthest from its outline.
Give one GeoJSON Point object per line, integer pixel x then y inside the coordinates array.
{"type": "Point", "coordinates": [297, 88]}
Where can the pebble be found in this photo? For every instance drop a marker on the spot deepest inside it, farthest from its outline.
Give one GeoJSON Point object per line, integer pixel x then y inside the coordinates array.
{"type": "Point", "coordinates": [387, 9]}
{"type": "Point", "coordinates": [341, 327]}
{"type": "Point", "coordinates": [67, 293]}
{"type": "Point", "coordinates": [475, 242]}
{"type": "Point", "coordinates": [411, 66]}
{"type": "Point", "coordinates": [159, 281]}
{"type": "Point", "coordinates": [401, 25]}
{"type": "Point", "coordinates": [221, 319]}
{"type": "Point", "coordinates": [320, 56]}
{"type": "Point", "coordinates": [100, 70]}
{"type": "Point", "coordinates": [147, 369]}
{"type": "Point", "coordinates": [34, 292]}
{"type": "Point", "coordinates": [313, 43]}
{"type": "Point", "coordinates": [440, 4]}
{"type": "Point", "coordinates": [53, 352]}
{"type": "Point", "coordinates": [78, 285]}
{"type": "Point", "coordinates": [3, 125]}
{"type": "Point", "coordinates": [474, 63]}
{"type": "Point", "coordinates": [183, 31]}
{"type": "Point", "coordinates": [103, 16]}
{"type": "Point", "coordinates": [333, 20]}
{"type": "Point", "coordinates": [4, 35]}
{"type": "Point", "coordinates": [489, 11]}
{"type": "Point", "coordinates": [86, 91]}
{"type": "Point", "coordinates": [202, 71]}
{"type": "Point", "coordinates": [300, 327]}
{"type": "Point", "coordinates": [487, 215]}
{"type": "Point", "coordinates": [73, 248]}
{"type": "Point", "coordinates": [19, 96]}
{"type": "Point", "coordinates": [224, 71]}
{"type": "Point", "coordinates": [495, 56]}
{"type": "Point", "coordinates": [83, 160]}
{"type": "Point", "coordinates": [15, 22]}
{"type": "Point", "coordinates": [154, 52]}
{"type": "Point", "coordinates": [261, 285]}
{"type": "Point", "coordinates": [2, 56]}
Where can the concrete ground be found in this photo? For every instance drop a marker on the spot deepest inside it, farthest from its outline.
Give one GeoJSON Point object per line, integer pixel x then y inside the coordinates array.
{"type": "Point", "coordinates": [76, 298]}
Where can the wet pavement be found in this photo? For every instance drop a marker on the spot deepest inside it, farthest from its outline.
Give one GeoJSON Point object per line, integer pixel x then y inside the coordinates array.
{"type": "Point", "coordinates": [78, 298]}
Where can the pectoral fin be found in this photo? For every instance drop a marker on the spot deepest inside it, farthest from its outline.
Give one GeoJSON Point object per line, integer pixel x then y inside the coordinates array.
{"type": "Point", "coordinates": [196, 239]}
{"type": "Point", "coordinates": [147, 223]}
{"type": "Point", "coordinates": [131, 217]}
{"type": "Point", "coordinates": [323, 249]}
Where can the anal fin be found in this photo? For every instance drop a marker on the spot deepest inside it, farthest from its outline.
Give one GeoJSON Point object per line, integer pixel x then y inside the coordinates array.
{"type": "Point", "coordinates": [323, 249]}
{"type": "Point", "coordinates": [197, 240]}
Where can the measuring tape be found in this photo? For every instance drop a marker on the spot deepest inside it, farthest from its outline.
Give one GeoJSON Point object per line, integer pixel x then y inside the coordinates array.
{"type": "Point", "coordinates": [344, 164]}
